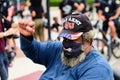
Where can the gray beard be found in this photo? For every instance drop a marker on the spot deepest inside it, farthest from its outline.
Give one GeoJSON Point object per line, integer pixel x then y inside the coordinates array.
{"type": "Point", "coordinates": [73, 61]}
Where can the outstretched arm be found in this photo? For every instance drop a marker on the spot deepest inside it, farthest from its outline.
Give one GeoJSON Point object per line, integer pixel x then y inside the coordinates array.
{"type": "Point", "coordinates": [26, 27]}
{"type": "Point", "coordinates": [39, 52]}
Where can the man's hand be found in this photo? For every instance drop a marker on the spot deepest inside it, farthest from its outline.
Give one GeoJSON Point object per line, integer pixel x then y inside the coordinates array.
{"type": "Point", "coordinates": [26, 27]}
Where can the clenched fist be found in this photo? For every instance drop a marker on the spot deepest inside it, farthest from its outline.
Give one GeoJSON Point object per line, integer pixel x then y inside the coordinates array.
{"type": "Point", "coordinates": [26, 27]}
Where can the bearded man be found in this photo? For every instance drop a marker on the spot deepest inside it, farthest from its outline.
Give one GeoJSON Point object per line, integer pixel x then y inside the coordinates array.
{"type": "Point", "coordinates": [75, 58]}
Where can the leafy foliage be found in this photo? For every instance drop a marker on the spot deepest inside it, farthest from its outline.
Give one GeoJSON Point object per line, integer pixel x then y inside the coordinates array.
{"type": "Point", "coordinates": [55, 2]}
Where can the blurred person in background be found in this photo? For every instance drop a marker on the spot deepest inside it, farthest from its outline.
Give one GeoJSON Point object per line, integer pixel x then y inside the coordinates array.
{"type": "Point", "coordinates": [69, 6]}
{"type": "Point", "coordinates": [108, 12]}
{"type": "Point", "coordinates": [55, 26]}
{"type": "Point", "coordinates": [11, 28]}
{"type": "Point", "coordinates": [18, 7]}
{"type": "Point", "coordinates": [7, 11]}
{"type": "Point", "coordinates": [37, 14]}
{"type": "Point", "coordinates": [66, 7]}
{"type": "Point", "coordinates": [82, 6]}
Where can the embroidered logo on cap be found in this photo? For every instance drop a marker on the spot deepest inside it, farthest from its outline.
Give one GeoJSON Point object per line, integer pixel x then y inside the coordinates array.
{"type": "Point", "coordinates": [72, 20]}
{"type": "Point", "coordinates": [69, 25]}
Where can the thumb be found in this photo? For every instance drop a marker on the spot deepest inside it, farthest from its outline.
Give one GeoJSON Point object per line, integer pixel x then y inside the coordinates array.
{"type": "Point", "coordinates": [30, 29]}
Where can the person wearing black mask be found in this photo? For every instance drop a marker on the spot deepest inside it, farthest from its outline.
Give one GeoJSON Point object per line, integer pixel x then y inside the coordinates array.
{"type": "Point", "coordinates": [75, 58]}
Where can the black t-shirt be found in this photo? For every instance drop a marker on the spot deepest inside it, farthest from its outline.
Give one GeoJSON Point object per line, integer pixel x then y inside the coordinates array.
{"type": "Point", "coordinates": [35, 2]}
{"type": "Point", "coordinates": [108, 7]}
{"type": "Point", "coordinates": [38, 9]}
{"type": "Point", "coordinates": [5, 23]}
{"type": "Point", "coordinates": [66, 7]}
{"type": "Point", "coordinates": [4, 8]}
{"type": "Point", "coordinates": [55, 26]}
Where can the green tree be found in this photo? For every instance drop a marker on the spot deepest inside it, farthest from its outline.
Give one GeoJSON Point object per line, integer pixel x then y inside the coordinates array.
{"type": "Point", "coordinates": [55, 2]}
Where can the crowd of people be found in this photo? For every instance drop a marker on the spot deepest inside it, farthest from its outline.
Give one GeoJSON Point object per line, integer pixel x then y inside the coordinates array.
{"type": "Point", "coordinates": [75, 58]}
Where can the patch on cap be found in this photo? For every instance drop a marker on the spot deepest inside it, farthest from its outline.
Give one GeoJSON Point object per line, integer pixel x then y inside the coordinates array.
{"type": "Point", "coordinates": [75, 25]}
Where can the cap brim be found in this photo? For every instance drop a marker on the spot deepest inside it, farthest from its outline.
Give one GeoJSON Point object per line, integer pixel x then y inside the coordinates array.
{"type": "Point", "coordinates": [69, 34]}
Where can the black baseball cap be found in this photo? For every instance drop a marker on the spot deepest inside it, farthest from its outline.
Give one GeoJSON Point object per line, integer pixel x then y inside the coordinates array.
{"type": "Point", "coordinates": [75, 25]}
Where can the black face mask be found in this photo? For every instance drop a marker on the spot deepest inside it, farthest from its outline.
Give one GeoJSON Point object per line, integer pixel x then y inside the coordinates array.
{"type": "Point", "coordinates": [75, 49]}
